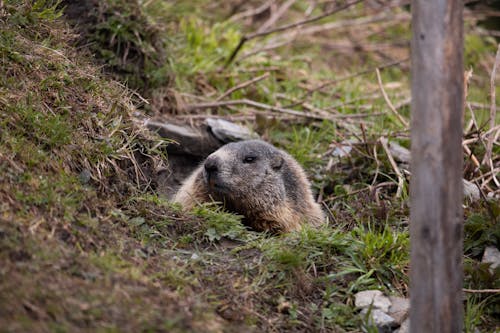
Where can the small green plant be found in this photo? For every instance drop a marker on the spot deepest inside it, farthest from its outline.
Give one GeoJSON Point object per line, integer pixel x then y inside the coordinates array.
{"type": "Point", "coordinates": [474, 309]}
{"type": "Point", "coordinates": [380, 256]}
{"type": "Point", "coordinates": [219, 224]}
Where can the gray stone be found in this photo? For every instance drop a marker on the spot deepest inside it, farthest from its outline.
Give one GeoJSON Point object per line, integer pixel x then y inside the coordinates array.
{"type": "Point", "coordinates": [491, 256]}
{"type": "Point", "coordinates": [85, 176]}
{"type": "Point", "coordinates": [471, 191]}
{"type": "Point", "coordinates": [399, 153]}
{"type": "Point", "coordinates": [378, 318]}
{"type": "Point", "coordinates": [399, 309]}
{"type": "Point", "coordinates": [374, 298]}
{"type": "Point", "coordinates": [227, 131]}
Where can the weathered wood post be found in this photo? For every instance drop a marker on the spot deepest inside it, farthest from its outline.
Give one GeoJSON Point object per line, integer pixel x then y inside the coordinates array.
{"type": "Point", "coordinates": [436, 181]}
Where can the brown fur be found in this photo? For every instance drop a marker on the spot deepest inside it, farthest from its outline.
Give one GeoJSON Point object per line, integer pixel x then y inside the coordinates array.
{"type": "Point", "coordinates": [262, 183]}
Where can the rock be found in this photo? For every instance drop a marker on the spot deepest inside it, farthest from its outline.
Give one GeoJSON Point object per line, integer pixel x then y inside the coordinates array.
{"type": "Point", "coordinates": [399, 308]}
{"type": "Point", "coordinates": [373, 298]}
{"type": "Point", "coordinates": [85, 176]}
{"type": "Point", "coordinates": [491, 256]}
{"type": "Point", "coordinates": [380, 319]}
{"type": "Point", "coordinates": [227, 131]}
{"type": "Point", "coordinates": [343, 150]}
{"type": "Point", "coordinates": [471, 191]}
{"type": "Point", "coordinates": [196, 141]}
{"type": "Point", "coordinates": [399, 153]}
{"type": "Point", "coordinates": [404, 328]}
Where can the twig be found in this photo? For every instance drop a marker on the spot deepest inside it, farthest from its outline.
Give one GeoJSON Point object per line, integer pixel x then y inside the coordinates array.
{"type": "Point", "coordinates": [489, 173]}
{"type": "Point", "coordinates": [479, 291]}
{"type": "Point", "coordinates": [471, 155]}
{"type": "Point", "coordinates": [242, 85]}
{"type": "Point", "coordinates": [266, 48]}
{"type": "Point", "coordinates": [246, 38]}
{"type": "Point", "coordinates": [388, 101]}
{"type": "Point", "coordinates": [347, 77]}
{"type": "Point", "coordinates": [306, 106]}
{"type": "Point", "coordinates": [268, 107]}
{"type": "Point", "coordinates": [474, 121]}
{"type": "Point", "coordinates": [482, 106]}
{"type": "Point", "coordinates": [383, 16]}
{"type": "Point", "coordinates": [383, 141]}
{"type": "Point", "coordinates": [377, 162]}
{"type": "Point", "coordinates": [485, 199]}
{"type": "Point", "coordinates": [252, 12]}
{"type": "Point", "coordinates": [276, 16]}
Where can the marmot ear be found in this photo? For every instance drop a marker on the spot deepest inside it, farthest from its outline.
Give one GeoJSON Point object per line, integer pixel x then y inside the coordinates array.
{"type": "Point", "coordinates": [277, 162]}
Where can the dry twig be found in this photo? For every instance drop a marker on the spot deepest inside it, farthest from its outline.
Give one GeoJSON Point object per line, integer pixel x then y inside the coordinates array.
{"type": "Point", "coordinates": [479, 291]}
{"type": "Point", "coordinates": [276, 16]}
{"type": "Point", "coordinates": [252, 12]}
{"type": "Point", "coordinates": [242, 85]}
{"type": "Point", "coordinates": [388, 101]}
{"type": "Point", "coordinates": [383, 16]}
{"type": "Point", "coordinates": [268, 107]}
{"type": "Point", "coordinates": [401, 179]}
{"type": "Point", "coordinates": [344, 78]}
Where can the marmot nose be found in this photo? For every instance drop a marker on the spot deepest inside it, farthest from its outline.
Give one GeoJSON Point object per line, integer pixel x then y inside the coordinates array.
{"type": "Point", "coordinates": [212, 165]}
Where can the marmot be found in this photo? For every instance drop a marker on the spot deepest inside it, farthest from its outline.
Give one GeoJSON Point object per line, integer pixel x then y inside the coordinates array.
{"type": "Point", "coordinates": [254, 179]}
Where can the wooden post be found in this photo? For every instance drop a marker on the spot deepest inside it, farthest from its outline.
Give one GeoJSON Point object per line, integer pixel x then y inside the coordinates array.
{"type": "Point", "coordinates": [436, 181]}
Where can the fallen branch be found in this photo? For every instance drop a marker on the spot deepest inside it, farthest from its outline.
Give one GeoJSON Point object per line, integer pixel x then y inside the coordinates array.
{"type": "Point", "coordinates": [246, 38]}
{"type": "Point", "coordinates": [268, 107]}
{"type": "Point", "coordinates": [479, 291]}
{"type": "Point", "coordinates": [242, 85]}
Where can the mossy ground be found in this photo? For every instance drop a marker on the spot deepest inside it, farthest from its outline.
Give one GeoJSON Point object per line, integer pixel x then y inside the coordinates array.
{"type": "Point", "coordinates": [87, 245]}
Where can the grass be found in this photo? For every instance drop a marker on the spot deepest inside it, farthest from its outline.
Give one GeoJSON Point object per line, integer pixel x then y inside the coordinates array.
{"type": "Point", "coordinates": [87, 244]}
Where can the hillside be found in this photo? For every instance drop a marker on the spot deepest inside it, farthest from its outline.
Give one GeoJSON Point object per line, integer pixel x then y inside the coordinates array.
{"type": "Point", "coordinates": [87, 242]}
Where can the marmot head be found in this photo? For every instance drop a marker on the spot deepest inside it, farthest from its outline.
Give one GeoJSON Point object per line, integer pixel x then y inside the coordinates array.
{"type": "Point", "coordinates": [247, 175]}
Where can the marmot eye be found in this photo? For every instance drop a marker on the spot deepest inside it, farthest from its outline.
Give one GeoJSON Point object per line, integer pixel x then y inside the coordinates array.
{"type": "Point", "coordinates": [249, 159]}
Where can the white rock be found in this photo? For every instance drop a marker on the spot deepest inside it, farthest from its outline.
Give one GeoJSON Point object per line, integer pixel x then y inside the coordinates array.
{"type": "Point", "coordinates": [374, 298]}
{"type": "Point", "coordinates": [399, 308]}
{"type": "Point", "coordinates": [471, 191]}
{"type": "Point", "coordinates": [491, 256]}
{"type": "Point", "coordinates": [379, 318]}
{"type": "Point", "coordinates": [342, 150]}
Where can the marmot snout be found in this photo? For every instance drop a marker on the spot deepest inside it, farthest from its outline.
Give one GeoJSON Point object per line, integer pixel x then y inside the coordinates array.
{"type": "Point", "coordinates": [256, 180]}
